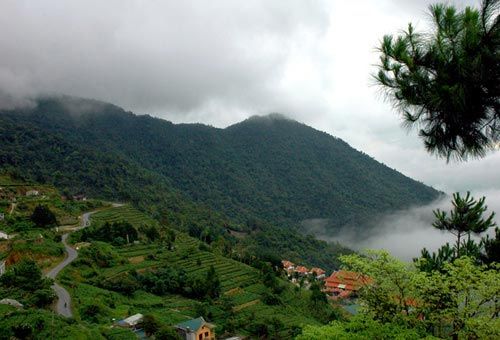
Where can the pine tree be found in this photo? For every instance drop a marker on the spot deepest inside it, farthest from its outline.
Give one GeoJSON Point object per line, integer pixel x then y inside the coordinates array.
{"type": "Point", "coordinates": [446, 81]}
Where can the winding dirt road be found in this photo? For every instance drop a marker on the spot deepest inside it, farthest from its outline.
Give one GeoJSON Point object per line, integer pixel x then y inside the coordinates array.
{"type": "Point", "coordinates": [63, 306]}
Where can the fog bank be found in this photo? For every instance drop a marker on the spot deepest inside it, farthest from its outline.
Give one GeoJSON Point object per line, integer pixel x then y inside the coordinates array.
{"type": "Point", "coordinates": [403, 233]}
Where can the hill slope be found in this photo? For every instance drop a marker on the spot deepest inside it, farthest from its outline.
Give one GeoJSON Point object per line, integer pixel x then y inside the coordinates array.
{"type": "Point", "coordinates": [268, 168]}
{"type": "Point", "coordinates": [242, 287]}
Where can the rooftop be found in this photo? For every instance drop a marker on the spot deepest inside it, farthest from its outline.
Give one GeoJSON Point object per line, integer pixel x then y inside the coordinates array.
{"type": "Point", "coordinates": [194, 324]}
{"type": "Point", "coordinates": [347, 280]}
{"type": "Point", "coordinates": [301, 269]}
{"type": "Point", "coordinates": [132, 320]}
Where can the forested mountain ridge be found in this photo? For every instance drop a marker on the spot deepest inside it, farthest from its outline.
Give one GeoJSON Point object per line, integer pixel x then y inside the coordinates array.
{"type": "Point", "coordinates": [270, 168]}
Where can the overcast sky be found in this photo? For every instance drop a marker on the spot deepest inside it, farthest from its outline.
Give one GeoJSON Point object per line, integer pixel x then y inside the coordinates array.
{"type": "Point", "coordinates": [218, 62]}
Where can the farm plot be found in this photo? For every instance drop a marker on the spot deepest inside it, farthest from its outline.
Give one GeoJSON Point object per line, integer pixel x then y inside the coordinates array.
{"type": "Point", "coordinates": [124, 213]}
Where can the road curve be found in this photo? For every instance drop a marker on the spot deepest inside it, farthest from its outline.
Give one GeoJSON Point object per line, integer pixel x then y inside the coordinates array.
{"type": "Point", "coordinates": [63, 306]}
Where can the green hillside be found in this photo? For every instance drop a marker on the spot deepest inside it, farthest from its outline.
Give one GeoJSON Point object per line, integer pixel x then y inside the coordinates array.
{"type": "Point", "coordinates": [27, 239]}
{"type": "Point", "coordinates": [162, 274]}
{"type": "Point", "coordinates": [117, 289]}
{"type": "Point", "coordinates": [267, 168]}
{"type": "Point", "coordinates": [123, 213]}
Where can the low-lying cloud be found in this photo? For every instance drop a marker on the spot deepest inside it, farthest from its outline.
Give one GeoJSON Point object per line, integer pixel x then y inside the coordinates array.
{"type": "Point", "coordinates": [9, 101]}
{"type": "Point", "coordinates": [166, 57]}
{"type": "Point", "coordinates": [403, 233]}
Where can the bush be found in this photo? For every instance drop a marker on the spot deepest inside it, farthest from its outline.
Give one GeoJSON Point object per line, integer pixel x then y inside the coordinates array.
{"type": "Point", "coordinates": [43, 217]}
{"type": "Point", "coordinates": [124, 284]}
{"type": "Point", "coordinates": [91, 312]}
{"type": "Point", "coordinates": [102, 254]}
{"type": "Point", "coordinates": [22, 331]}
{"type": "Point", "coordinates": [43, 297]}
{"type": "Point", "coordinates": [167, 333]}
{"type": "Point", "coordinates": [117, 233]}
{"type": "Point", "coordinates": [271, 299]}
{"type": "Point", "coordinates": [149, 324]}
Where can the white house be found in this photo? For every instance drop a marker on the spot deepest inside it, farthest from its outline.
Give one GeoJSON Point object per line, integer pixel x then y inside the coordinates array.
{"type": "Point", "coordinates": [32, 193]}
{"type": "Point", "coordinates": [132, 321]}
{"type": "Point", "coordinates": [4, 235]}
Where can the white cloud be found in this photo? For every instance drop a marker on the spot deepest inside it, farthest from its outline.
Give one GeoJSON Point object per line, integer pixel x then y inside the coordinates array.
{"type": "Point", "coordinates": [171, 58]}
{"type": "Point", "coordinates": [221, 61]}
{"type": "Point", "coordinates": [405, 233]}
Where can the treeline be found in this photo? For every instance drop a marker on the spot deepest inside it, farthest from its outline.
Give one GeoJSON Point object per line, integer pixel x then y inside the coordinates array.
{"type": "Point", "coordinates": [167, 281]}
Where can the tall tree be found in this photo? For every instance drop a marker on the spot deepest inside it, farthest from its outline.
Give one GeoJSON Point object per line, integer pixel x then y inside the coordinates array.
{"type": "Point", "coordinates": [465, 218]}
{"type": "Point", "coordinates": [43, 216]}
{"type": "Point", "coordinates": [446, 81]}
{"type": "Point", "coordinates": [491, 248]}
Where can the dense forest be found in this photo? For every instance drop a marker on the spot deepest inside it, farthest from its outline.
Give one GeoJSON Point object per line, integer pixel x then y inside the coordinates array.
{"type": "Point", "coordinates": [268, 168]}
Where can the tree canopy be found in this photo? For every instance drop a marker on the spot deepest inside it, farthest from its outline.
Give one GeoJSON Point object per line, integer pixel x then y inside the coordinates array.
{"type": "Point", "coordinates": [446, 81]}
{"type": "Point", "coordinates": [24, 281]}
{"type": "Point", "coordinates": [43, 217]}
{"type": "Point", "coordinates": [465, 218]}
{"type": "Point", "coordinates": [402, 302]}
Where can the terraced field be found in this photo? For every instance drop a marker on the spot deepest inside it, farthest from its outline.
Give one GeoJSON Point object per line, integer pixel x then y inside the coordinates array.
{"type": "Point", "coordinates": [123, 213]}
{"type": "Point", "coordinates": [187, 256]}
{"type": "Point", "coordinates": [240, 283]}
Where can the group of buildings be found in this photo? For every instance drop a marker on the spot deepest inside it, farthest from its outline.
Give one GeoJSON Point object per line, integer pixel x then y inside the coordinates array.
{"type": "Point", "coordinates": [293, 270]}
{"type": "Point", "coordinates": [340, 284]}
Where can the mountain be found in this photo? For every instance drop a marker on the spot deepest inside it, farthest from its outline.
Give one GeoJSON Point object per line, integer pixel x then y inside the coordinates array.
{"type": "Point", "coordinates": [269, 168]}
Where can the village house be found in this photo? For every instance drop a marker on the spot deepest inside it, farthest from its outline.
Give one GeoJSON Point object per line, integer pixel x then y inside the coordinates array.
{"type": "Point", "coordinates": [133, 322]}
{"type": "Point", "coordinates": [343, 284]}
{"type": "Point", "coordinates": [288, 266]}
{"type": "Point", "coordinates": [2, 216]}
{"type": "Point", "coordinates": [302, 271]}
{"type": "Point", "coordinates": [79, 197]}
{"type": "Point", "coordinates": [196, 329]}
{"type": "Point", "coordinates": [32, 193]}
{"type": "Point", "coordinates": [318, 272]}
{"type": "Point", "coordinates": [291, 268]}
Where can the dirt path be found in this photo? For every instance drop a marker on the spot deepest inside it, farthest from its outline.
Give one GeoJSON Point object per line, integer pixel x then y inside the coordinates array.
{"type": "Point", "coordinates": [63, 306]}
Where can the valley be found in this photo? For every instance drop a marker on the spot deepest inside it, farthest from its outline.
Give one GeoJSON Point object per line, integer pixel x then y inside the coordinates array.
{"type": "Point", "coordinates": [208, 220]}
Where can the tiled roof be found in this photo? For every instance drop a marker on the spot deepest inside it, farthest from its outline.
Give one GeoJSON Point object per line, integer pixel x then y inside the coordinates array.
{"type": "Point", "coordinates": [193, 324]}
{"type": "Point", "coordinates": [301, 269]}
{"type": "Point", "coordinates": [347, 280]}
{"type": "Point", "coordinates": [318, 271]}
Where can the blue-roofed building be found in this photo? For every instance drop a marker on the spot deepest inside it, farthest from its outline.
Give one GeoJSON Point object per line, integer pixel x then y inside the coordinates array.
{"type": "Point", "coordinates": [196, 329]}
{"type": "Point", "coordinates": [134, 321]}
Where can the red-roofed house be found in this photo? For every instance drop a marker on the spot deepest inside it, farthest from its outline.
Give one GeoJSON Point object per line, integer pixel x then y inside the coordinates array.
{"type": "Point", "coordinates": [288, 266]}
{"type": "Point", "coordinates": [302, 270]}
{"type": "Point", "coordinates": [320, 273]}
{"type": "Point", "coordinates": [343, 283]}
